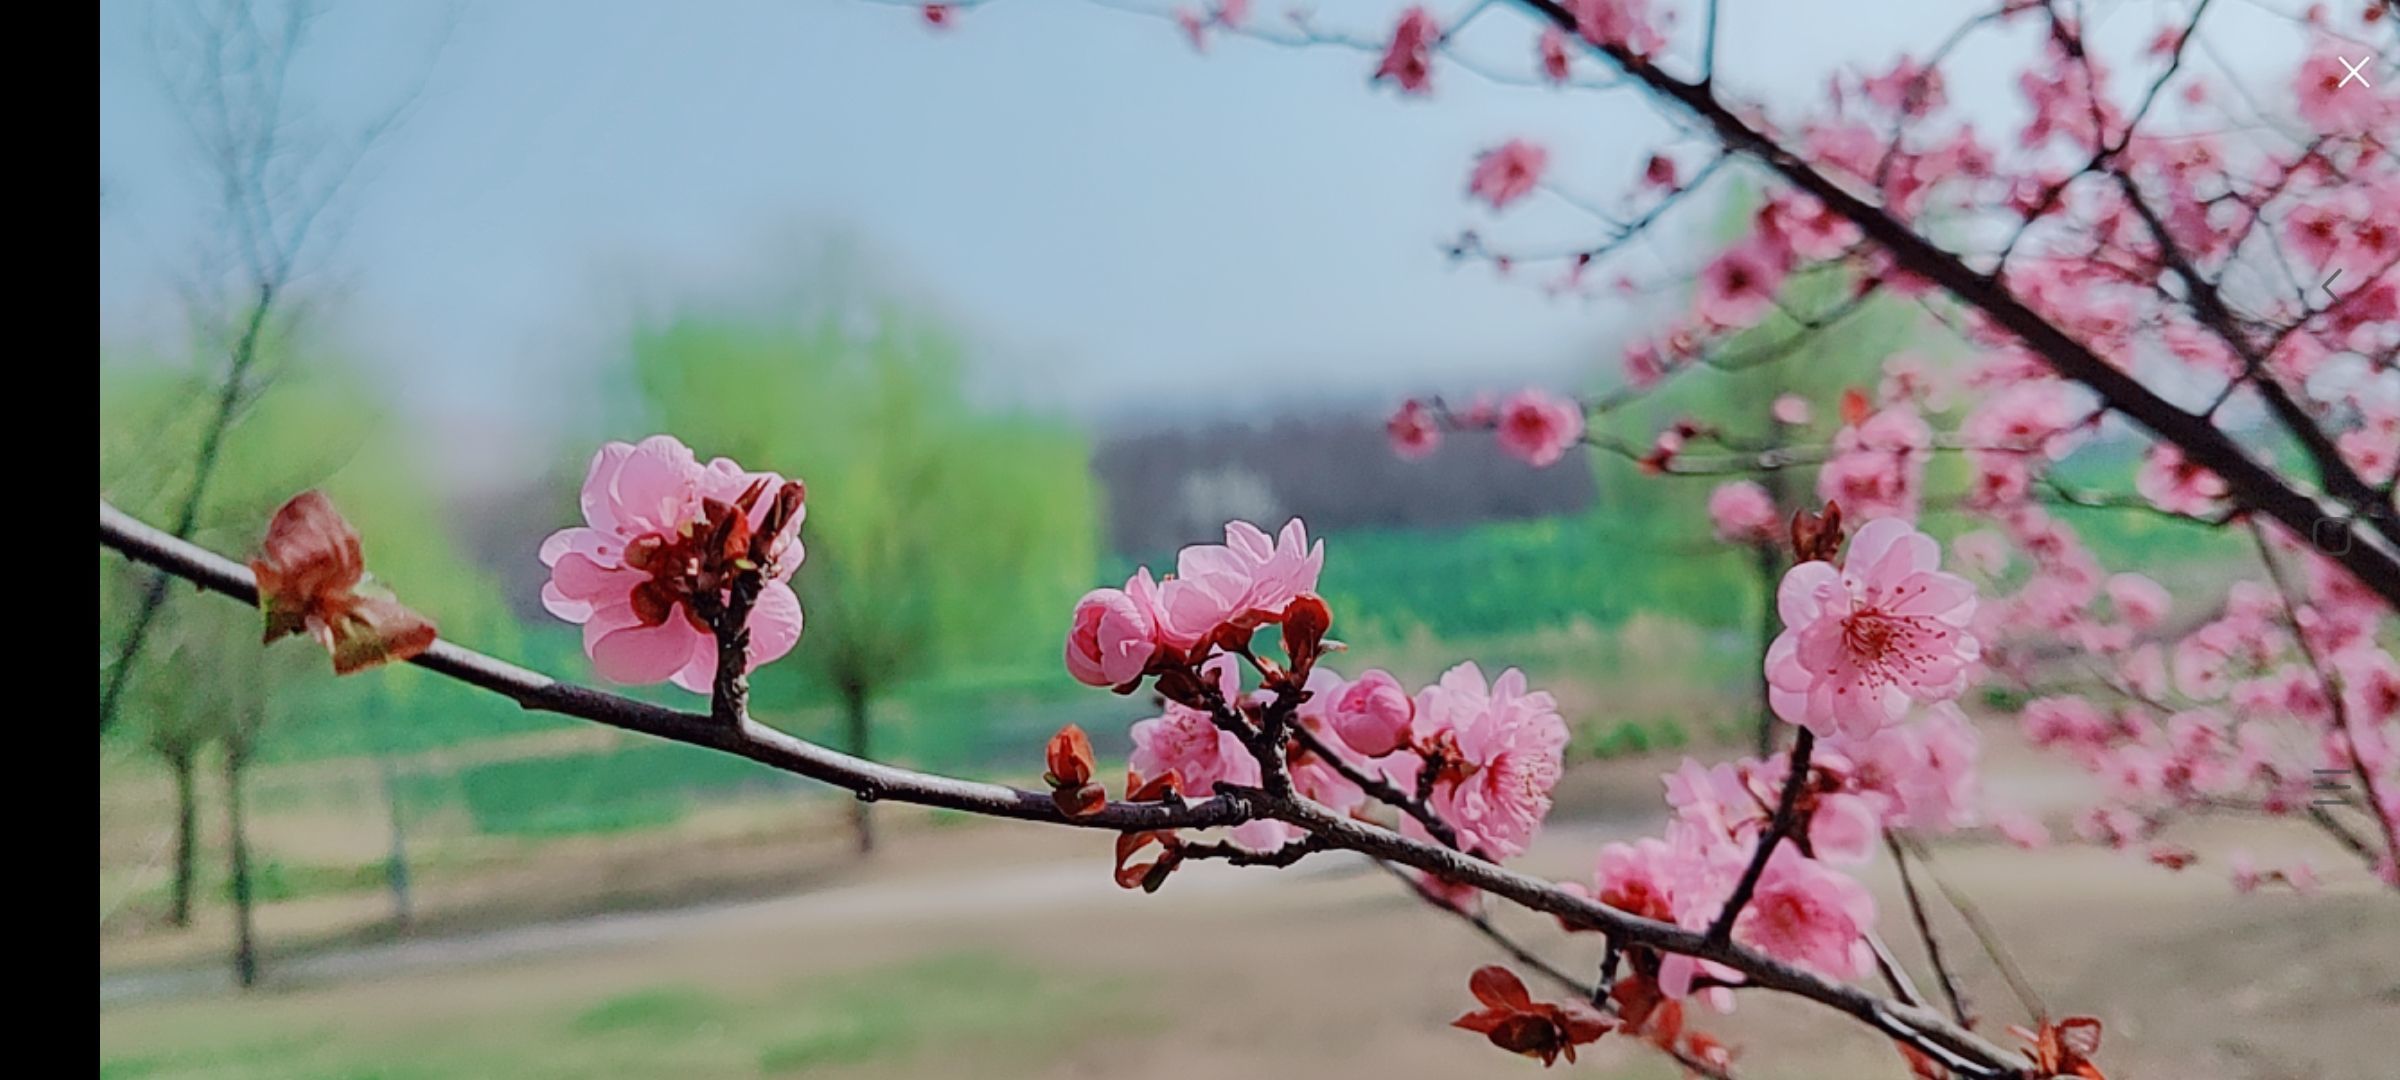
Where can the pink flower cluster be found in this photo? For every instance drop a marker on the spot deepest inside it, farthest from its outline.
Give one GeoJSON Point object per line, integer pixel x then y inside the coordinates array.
{"type": "Point", "coordinates": [1508, 173]}
{"type": "Point", "coordinates": [1246, 582]}
{"type": "Point", "coordinates": [1878, 464]}
{"type": "Point", "coordinates": [2229, 710]}
{"type": "Point", "coordinates": [633, 572]}
{"type": "Point", "coordinates": [1490, 752]}
{"type": "Point", "coordinates": [1863, 779]}
{"type": "Point", "coordinates": [1532, 425]}
{"type": "Point", "coordinates": [1496, 750]}
{"type": "Point", "coordinates": [1743, 513]}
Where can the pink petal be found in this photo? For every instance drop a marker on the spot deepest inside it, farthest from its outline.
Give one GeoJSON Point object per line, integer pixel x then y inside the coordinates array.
{"type": "Point", "coordinates": [638, 655]}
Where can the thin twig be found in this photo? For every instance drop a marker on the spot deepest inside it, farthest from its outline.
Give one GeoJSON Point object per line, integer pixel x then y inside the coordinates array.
{"type": "Point", "coordinates": [1933, 944]}
{"type": "Point", "coordinates": [1787, 812]}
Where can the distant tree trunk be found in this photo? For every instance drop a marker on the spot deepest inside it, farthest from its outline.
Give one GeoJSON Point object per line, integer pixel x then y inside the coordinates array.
{"type": "Point", "coordinates": [186, 767]}
{"type": "Point", "coordinates": [1770, 567]}
{"type": "Point", "coordinates": [245, 940]}
{"type": "Point", "coordinates": [1770, 576]}
{"type": "Point", "coordinates": [862, 811]}
{"type": "Point", "coordinates": [395, 865]}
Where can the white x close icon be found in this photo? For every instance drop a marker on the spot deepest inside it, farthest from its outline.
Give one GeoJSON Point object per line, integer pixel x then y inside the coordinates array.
{"type": "Point", "coordinates": [2356, 71]}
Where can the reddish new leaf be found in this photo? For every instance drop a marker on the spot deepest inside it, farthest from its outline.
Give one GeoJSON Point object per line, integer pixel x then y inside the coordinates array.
{"type": "Point", "coordinates": [1147, 876]}
{"type": "Point", "coordinates": [1855, 407]}
{"type": "Point", "coordinates": [1070, 758]}
{"type": "Point", "coordinates": [312, 578]}
{"type": "Point", "coordinates": [1305, 622]}
{"type": "Point", "coordinates": [1817, 537]}
{"type": "Point", "coordinates": [1514, 1022]}
{"type": "Point", "coordinates": [2065, 1048]}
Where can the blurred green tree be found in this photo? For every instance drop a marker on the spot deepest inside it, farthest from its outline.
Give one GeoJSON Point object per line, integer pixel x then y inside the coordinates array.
{"type": "Point", "coordinates": [318, 427]}
{"type": "Point", "coordinates": [939, 537]}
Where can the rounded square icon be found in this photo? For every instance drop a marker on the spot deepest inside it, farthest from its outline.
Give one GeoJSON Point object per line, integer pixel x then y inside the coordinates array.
{"type": "Point", "coordinates": [2331, 535]}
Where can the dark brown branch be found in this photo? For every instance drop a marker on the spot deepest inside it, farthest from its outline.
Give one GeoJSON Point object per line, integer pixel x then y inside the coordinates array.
{"type": "Point", "coordinates": [1787, 813]}
{"type": "Point", "coordinates": [1982, 928]}
{"type": "Point", "coordinates": [1596, 993]}
{"type": "Point", "coordinates": [1236, 855]}
{"type": "Point", "coordinates": [1380, 789]}
{"type": "Point", "coordinates": [1933, 945]}
{"type": "Point", "coordinates": [750, 739]}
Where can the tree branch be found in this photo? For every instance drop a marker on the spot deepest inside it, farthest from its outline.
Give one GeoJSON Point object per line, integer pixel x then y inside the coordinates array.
{"type": "Point", "coordinates": [1787, 812]}
{"type": "Point", "coordinates": [2252, 484]}
{"type": "Point", "coordinates": [1964, 1050]}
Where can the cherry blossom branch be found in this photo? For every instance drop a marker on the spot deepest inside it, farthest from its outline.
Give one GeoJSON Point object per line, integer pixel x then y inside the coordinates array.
{"type": "Point", "coordinates": [2250, 482]}
{"type": "Point", "coordinates": [1414, 806]}
{"type": "Point", "coordinates": [1597, 993]}
{"type": "Point", "coordinates": [2334, 697]}
{"type": "Point", "coordinates": [1985, 935]}
{"type": "Point", "coordinates": [1787, 812]}
{"type": "Point", "coordinates": [2356, 844]}
{"type": "Point", "coordinates": [1924, 1030]}
{"type": "Point", "coordinates": [1491, 932]}
{"type": "Point", "coordinates": [1237, 855]}
{"type": "Point", "coordinates": [767, 746]}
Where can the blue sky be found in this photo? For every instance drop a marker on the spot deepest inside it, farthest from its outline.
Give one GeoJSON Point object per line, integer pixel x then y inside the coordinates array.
{"type": "Point", "coordinates": [1119, 223]}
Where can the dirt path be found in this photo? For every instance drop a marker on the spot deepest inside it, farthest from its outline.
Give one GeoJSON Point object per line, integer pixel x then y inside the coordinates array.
{"type": "Point", "coordinates": [1054, 886]}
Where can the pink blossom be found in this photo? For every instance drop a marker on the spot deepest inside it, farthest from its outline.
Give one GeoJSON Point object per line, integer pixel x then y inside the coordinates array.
{"type": "Point", "coordinates": [1509, 173]}
{"type": "Point", "coordinates": [1312, 775]}
{"type": "Point", "coordinates": [1409, 59]}
{"type": "Point", "coordinates": [1791, 409]}
{"type": "Point", "coordinates": [1195, 28]}
{"type": "Point", "coordinates": [1743, 512]}
{"type": "Point", "coordinates": [1247, 579]}
{"type": "Point", "coordinates": [1808, 228]}
{"type": "Point", "coordinates": [1539, 427]}
{"type": "Point", "coordinates": [2140, 601]}
{"type": "Point", "coordinates": [1553, 52]}
{"type": "Point", "coordinates": [623, 574]}
{"type": "Point", "coordinates": [1112, 639]}
{"type": "Point", "coordinates": [1637, 878]}
{"type": "Point", "coordinates": [1622, 23]}
{"type": "Point", "coordinates": [1644, 366]}
{"type": "Point", "coordinates": [1373, 714]}
{"type": "Point", "coordinates": [1863, 641]}
{"type": "Point", "coordinates": [2178, 486]}
{"type": "Point", "coordinates": [1917, 776]}
{"type": "Point", "coordinates": [1738, 288]}
{"type": "Point", "coordinates": [2328, 105]}
{"type": "Point", "coordinates": [1187, 742]}
{"type": "Point", "coordinates": [1909, 89]}
{"type": "Point", "coordinates": [1878, 467]}
{"type": "Point", "coordinates": [1809, 914]}
{"type": "Point", "coordinates": [2021, 829]}
{"type": "Point", "coordinates": [1503, 748]}
{"type": "Point", "coordinates": [1981, 551]}
{"type": "Point", "coordinates": [1660, 172]}
{"type": "Point", "coordinates": [1414, 431]}
{"type": "Point", "coordinates": [2244, 871]}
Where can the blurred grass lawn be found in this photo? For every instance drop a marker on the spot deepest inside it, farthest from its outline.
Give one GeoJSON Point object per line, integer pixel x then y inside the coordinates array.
{"type": "Point", "coordinates": [977, 1003]}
